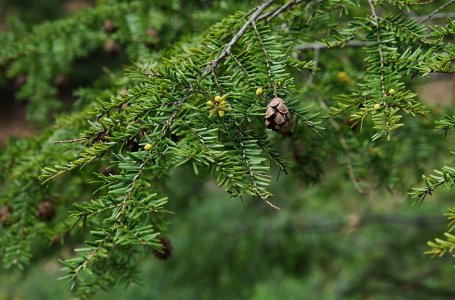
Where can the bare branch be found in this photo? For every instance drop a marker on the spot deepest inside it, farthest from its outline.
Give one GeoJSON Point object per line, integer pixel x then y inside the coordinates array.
{"type": "Point", "coordinates": [430, 16]}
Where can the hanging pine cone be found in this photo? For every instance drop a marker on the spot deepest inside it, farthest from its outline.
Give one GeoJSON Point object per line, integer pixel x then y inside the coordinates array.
{"type": "Point", "coordinates": [100, 137]}
{"type": "Point", "coordinates": [277, 115]}
{"type": "Point", "coordinates": [109, 26]}
{"type": "Point", "coordinates": [19, 82]}
{"type": "Point", "coordinates": [61, 81]}
{"type": "Point", "coordinates": [5, 215]}
{"type": "Point", "coordinates": [45, 210]}
{"type": "Point", "coordinates": [108, 170]}
{"type": "Point", "coordinates": [166, 251]}
{"type": "Point", "coordinates": [112, 48]}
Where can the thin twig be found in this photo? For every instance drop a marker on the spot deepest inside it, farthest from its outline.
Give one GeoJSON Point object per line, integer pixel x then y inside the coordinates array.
{"type": "Point", "coordinates": [381, 55]}
{"type": "Point", "coordinates": [317, 46]}
{"type": "Point", "coordinates": [227, 49]}
{"type": "Point", "coordinates": [252, 173]}
{"type": "Point", "coordinates": [269, 16]}
{"type": "Point", "coordinates": [167, 125]}
{"type": "Point", "coordinates": [241, 66]}
{"type": "Point", "coordinates": [268, 60]}
{"type": "Point", "coordinates": [316, 63]}
{"type": "Point", "coordinates": [345, 147]}
{"type": "Point", "coordinates": [355, 43]}
{"type": "Point", "coordinates": [450, 15]}
{"type": "Point", "coordinates": [272, 14]}
{"type": "Point", "coordinates": [71, 141]}
{"type": "Point", "coordinates": [430, 16]}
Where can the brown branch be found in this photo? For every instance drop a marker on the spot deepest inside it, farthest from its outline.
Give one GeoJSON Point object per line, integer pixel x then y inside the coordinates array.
{"type": "Point", "coordinates": [355, 43]}
{"type": "Point", "coordinates": [381, 55]}
{"type": "Point", "coordinates": [430, 16]}
{"type": "Point", "coordinates": [317, 46]}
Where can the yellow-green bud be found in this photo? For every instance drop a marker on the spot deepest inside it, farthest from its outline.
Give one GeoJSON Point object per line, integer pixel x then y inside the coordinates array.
{"type": "Point", "coordinates": [224, 97]}
{"type": "Point", "coordinates": [392, 91]}
{"type": "Point", "coordinates": [343, 76]}
{"type": "Point", "coordinates": [221, 113]}
{"type": "Point", "coordinates": [217, 98]}
{"type": "Point", "coordinates": [259, 91]}
{"type": "Point", "coordinates": [209, 103]}
{"type": "Point", "coordinates": [377, 106]}
{"type": "Point", "coordinates": [148, 147]}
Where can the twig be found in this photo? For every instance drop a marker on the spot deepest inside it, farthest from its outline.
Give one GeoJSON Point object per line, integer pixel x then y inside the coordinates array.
{"type": "Point", "coordinates": [241, 66]}
{"type": "Point", "coordinates": [355, 43]}
{"type": "Point", "coordinates": [70, 141]}
{"type": "Point", "coordinates": [252, 173]}
{"type": "Point", "coordinates": [227, 49]}
{"type": "Point", "coordinates": [272, 14]}
{"type": "Point", "coordinates": [317, 46]}
{"type": "Point", "coordinates": [316, 63]}
{"type": "Point", "coordinates": [269, 16]}
{"type": "Point", "coordinates": [422, 3]}
{"type": "Point", "coordinates": [167, 125]}
{"type": "Point", "coordinates": [268, 60]}
{"type": "Point", "coordinates": [345, 147]}
{"type": "Point", "coordinates": [381, 55]}
{"type": "Point", "coordinates": [437, 16]}
{"type": "Point", "coordinates": [428, 17]}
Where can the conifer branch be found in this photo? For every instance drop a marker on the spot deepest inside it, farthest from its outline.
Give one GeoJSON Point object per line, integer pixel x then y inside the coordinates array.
{"type": "Point", "coordinates": [240, 65]}
{"type": "Point", "coordinates": [267, 58]}
{"type": "Point", "coordinates": [252, 173]}
{"type": "Point", "coordinates": [227, 49]}
{"type": "Point", "coordinates": [167, 125]}
{"type": "Point", "coordinates": [173, 115]}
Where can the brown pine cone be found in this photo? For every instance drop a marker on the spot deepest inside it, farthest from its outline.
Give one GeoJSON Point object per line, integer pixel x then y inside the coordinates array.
{"type": "Point", "coordinates": [277, 115]}
{"type": "Point", "coordinates": [133, 145]}
{"type": "Point", "coordinates": [5, 215]}
{"type": "Point", "coordinates": [45, 210]}
{"type": "Point", "coordinates": [100, 137]}
{"type": "Point", "coordinates": [107, 170]}
{"type": "Point", "coordinates": [109, 26]}
{"type": "Point", "coordinates": [20, 81]}
{"type": "Point", "coordinates": [112, 48]}
{"type": "Point", "coordinates": [166, 251]}
{"type": "Point", "coordinates": [61, 81]}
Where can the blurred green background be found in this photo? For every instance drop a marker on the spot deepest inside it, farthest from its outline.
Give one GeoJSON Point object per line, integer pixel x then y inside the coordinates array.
{"type": "Point", "coordinates": [327, 242]}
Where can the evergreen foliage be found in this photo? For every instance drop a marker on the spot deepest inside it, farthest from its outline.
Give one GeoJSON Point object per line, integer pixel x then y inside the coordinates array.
{"type": "Point", "coordinates": [108, 160]}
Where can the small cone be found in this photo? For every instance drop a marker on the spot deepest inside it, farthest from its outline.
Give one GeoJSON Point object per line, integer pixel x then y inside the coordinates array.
{"type": "Point", "coordinates": [5, 215]}
{"type": "Point", "coordinates": [112, 48]}
{"type": "Point", "coordinates": [109, 26]}
{"type": "Point", "coordinates": [46, 211]}
{"type": "Point", "coordinates": [277, 115]}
